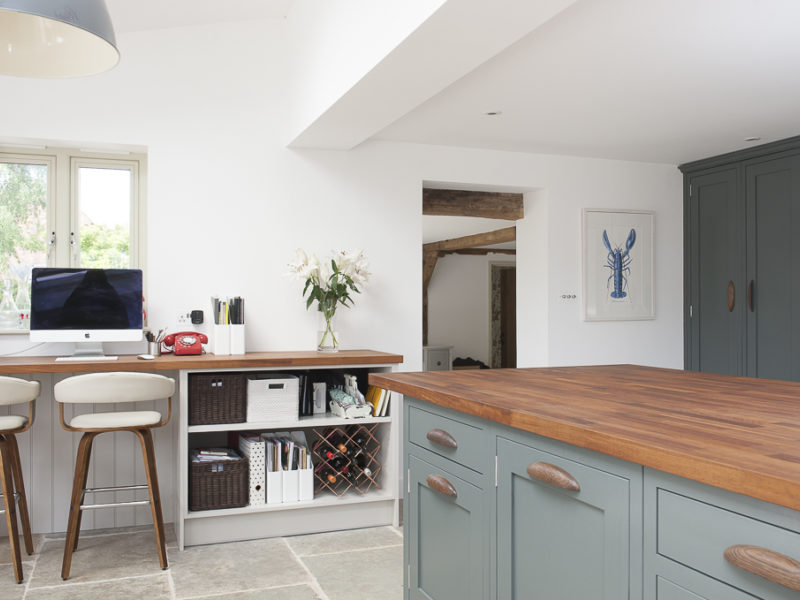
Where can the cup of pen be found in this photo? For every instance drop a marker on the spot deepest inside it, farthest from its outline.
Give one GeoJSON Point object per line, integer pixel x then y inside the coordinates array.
{"type": "Point", "coordinates": [154, 348]}
{"type": "Point", "coordinates": [154, 342]}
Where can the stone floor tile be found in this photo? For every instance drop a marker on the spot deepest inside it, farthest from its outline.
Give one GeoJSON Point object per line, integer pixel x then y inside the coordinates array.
{"type": "Point", "coordinates": [155, 587]}
{"type": "Point", "coordinates": [360, 575]}
{"type": "Point", "coordinates": [234, 567]}
{"type": "Point", "coordinates": [98, 557]}
{"type": "Point", "coordinates": [343, 541]}
{"type": "Point", "coordinates": [5, 548]}
{"type": "Point", "coordinates": [9, 588]}
{"type": "Point", "coordinates": [294, 592]}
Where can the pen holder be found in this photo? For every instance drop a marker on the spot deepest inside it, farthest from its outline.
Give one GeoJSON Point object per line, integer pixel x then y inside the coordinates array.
{"type": "Point", "coordinates": [237, 339]}
{"type": "Point", "coordinates": [222, 339]}
{"type": "Point", "coordinates": [154, 348]}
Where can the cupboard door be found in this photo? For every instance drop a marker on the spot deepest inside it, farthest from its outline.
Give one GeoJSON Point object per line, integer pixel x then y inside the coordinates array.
{"type": "Point", "coordinates": [555, 543]}
{"type": "Point", "coordinates": [773, 265]}
{"type": "Point", "coordinates": [716, 280]}
{"type": "Point", "coordinates": [447, 535]}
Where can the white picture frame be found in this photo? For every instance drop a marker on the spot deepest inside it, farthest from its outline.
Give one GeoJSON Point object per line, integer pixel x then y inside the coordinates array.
{"type": "Point", "coordinates": [618, 277]}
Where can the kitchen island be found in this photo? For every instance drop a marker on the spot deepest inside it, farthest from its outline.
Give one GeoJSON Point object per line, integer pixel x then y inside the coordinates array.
{"type": "Point", "coordinates": [605, 482]}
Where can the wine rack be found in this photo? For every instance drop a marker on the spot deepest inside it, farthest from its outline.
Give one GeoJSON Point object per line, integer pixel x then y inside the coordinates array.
{"type": "Point", "coordinates": [346, 458]}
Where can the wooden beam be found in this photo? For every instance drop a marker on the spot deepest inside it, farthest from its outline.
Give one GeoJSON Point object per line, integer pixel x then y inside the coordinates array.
{"type": "Point", "coordinates": [479, 251]}
{"type": "Point", "coordinates": [461, 203]}
{"type": "Point", "coordinates": [498, 236]}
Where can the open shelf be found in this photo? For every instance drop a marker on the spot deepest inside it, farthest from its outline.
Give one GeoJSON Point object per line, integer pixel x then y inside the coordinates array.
{"type": "Point", "coordinates": [326, 420]}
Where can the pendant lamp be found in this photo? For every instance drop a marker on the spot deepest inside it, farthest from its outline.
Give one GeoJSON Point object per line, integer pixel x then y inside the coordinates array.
{"type": "Point", "coordinates": [56, 38]}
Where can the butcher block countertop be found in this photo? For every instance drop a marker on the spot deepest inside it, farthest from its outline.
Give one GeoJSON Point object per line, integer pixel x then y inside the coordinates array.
{"type": "Point", "coordinates": [736, 433]}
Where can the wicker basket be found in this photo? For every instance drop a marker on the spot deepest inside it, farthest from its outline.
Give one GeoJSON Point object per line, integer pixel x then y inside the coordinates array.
{"type": "Point", "coordinates": [218, 484]}
{"type": "Point", "coordinates": [217, 398]}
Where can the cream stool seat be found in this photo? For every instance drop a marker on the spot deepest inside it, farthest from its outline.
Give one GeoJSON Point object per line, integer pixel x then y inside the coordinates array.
{"type": "Point", "coordinates": [107, 388]}
{"type": "Point", "coordinates": [12, 488]}
{"type": "Point", "coordinates": [13, 422]}
{"type": "Point", "coordinates": [139, 418]}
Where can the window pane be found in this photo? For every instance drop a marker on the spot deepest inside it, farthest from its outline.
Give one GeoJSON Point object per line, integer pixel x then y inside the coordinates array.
{"type": "Point", "coordinates": [23, 227]}
{"type": "Point", "coordinates": [105, 217]}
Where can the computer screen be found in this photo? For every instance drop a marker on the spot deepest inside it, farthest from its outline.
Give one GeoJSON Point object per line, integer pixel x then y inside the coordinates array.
{"type": "Point", "coordinates": [86, 305]}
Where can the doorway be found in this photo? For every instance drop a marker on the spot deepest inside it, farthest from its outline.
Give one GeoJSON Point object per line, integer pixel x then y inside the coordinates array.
{"type": "Point", "coordinates": [504, 315]}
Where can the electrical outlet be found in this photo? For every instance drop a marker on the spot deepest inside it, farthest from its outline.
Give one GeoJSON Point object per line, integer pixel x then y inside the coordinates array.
{"type": "Point", "coordinates": [185, 318]}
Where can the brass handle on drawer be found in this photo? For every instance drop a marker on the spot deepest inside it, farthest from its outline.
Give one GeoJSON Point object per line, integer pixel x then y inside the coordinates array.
{"type": "Point", "coordinates": [731, 296]}
{"type": "Point", "coordinates": [441, 485]}
{"type": "Point", "coordinates": [554, 476]}
{"type": "Point", "coordinates": [768, 564]}
{"type": "Point", "coordinates": [750, 295]}
{"type": "Point", "coordinates": [441, 437]}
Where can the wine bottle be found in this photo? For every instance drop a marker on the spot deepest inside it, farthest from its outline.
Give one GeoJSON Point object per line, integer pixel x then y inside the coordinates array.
{"type": "Point", "coordinates": [324, 473]}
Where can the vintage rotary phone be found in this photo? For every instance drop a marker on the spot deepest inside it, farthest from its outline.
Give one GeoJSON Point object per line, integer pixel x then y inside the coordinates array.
{"type": "Point", "coordinates": [185, 342]}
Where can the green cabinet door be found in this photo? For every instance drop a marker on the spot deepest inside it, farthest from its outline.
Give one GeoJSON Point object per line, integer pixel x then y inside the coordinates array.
{"type": "Point", "coordinates": [447, 535]}
{"type": "Point", "coordinates": [773, 267]}
{"type": "Point", "coordinates": [716, 282]}
{"type": "Point", "coordinates": [557, 544]}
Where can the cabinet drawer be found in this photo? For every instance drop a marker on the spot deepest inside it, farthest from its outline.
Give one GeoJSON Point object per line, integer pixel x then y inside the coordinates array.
{"type": "Point", "coordinates": [453, 439]}
{"type": "Point", "coordinates": [696, 534]}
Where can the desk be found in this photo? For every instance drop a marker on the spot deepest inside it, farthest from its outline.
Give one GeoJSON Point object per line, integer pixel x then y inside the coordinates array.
{"type": "Point", "coordinates": [48, 452]}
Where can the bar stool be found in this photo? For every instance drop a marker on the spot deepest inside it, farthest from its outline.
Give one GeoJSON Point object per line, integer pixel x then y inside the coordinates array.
{"type": "Point", "coordinates": [104, 388]}
{"type": "Point", "coordinates": [15, 391]}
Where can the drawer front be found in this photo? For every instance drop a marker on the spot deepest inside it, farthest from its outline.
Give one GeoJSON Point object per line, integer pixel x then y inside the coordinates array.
{"type": "Point", "coordinates": [453, 439]}
{"type": "Point", "coordinates": [447, 533]}
{"type": "Point", "coordinates": [696, 534]}
{"type": "Point", "coordinates": [437, 360]}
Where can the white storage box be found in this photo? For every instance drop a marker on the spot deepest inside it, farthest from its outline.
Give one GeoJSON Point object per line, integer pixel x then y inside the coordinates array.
{"type": "Point", "coordinates": [272, 397]}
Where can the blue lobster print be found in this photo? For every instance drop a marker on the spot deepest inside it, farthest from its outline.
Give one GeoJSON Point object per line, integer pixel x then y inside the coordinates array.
{"type": "Point", "coordinates": [619, 262]}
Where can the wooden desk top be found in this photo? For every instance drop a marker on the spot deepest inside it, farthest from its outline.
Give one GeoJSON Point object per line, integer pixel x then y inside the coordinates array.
{"type": "Point", "coordinates": [170, 362]}
{"type": "Point", "coordinates": [736, 433]}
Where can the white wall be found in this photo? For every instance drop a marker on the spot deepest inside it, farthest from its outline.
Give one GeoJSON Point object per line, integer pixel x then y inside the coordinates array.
{"type": "Point", "coordinates": [459, 304]}
{"type": "Point", "coordinates": [208, 104]}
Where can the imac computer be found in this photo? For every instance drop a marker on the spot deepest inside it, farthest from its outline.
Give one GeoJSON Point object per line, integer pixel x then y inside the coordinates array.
{"type": "Point", "coordinates": [86, 306]}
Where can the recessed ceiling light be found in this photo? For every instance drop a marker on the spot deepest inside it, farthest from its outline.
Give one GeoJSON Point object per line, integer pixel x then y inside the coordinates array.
{"type": "Point", "coordinates": [493, 113]}
{"type": "Point", "coordinates": [752, 138]}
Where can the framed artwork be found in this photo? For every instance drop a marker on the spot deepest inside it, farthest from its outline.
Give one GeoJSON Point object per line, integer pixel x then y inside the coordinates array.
{"type": "Point", "coordinates": [617, 265]}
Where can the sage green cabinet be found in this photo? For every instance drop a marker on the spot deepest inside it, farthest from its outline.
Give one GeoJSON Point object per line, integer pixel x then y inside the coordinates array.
{"type": "Point", "coordinates": [446, 534]}
{"type": "Point", "coordinates": [742, 262]}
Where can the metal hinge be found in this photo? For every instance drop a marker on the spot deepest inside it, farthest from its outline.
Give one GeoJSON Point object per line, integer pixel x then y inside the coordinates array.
{"type": "Point", "coordinates": [690, 311]}
{"type": "Point", "coordinates": [495, 470]}
{"type": "Point", "coordinates": [690, 190]}
{"type": "Point", "coordinates": [408, 480]}
{"type": "Point", "coordinates": [408, 584]}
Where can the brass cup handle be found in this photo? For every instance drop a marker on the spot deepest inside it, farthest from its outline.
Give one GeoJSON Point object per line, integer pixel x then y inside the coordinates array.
{"type": "Point", "coordinates": [441, 437]}
{"type": "Point", "coordinates": [750, 295]}
{"type": "Point", "coordinates": [441, 485]}
{"type": "Point", "coordinates": [731, 296]}
{"type": "Point", "coordinates": [765, 563]}
{"type": "Point", "coordinates": [554, 476]}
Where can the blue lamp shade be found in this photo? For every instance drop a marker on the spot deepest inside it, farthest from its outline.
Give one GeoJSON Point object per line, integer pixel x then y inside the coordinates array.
{"type": "Point", "coordinates": [56, 38]}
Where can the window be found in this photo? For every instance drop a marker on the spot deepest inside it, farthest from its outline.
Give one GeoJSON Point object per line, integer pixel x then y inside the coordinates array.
{"type": "Point", "coordinates": [65, 208]}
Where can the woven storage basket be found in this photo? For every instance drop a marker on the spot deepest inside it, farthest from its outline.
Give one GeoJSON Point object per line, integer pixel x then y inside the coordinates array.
{"type": "Point", "coordinates": [216, 398]}
{"type": "Point", "coordinates": [218, 484]}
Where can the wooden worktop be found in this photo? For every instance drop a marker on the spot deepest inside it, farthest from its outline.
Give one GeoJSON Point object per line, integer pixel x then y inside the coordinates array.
{"type": "Point", "coordinates": [170, 362]}
{"type": "Point", "coordinates": [736, 433]}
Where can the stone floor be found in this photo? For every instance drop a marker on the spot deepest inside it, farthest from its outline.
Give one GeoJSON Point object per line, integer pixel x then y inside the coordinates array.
{"type": "Point", "coordinates": [362, 564]}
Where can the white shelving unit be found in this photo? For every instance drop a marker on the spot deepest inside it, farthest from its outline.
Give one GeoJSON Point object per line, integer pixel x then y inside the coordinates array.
{"type": "Point", "coordinates": [326, 512]}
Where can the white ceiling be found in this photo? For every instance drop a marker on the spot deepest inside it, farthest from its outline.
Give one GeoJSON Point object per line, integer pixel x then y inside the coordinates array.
{"type": "Point", "coordinates": [658, 80]}
{"type": "Point", "coordinates": [142, 15]}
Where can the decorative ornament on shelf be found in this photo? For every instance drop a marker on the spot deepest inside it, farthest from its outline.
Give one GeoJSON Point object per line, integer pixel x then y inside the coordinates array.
{"type": "Point", "coordinates": [330, 284]}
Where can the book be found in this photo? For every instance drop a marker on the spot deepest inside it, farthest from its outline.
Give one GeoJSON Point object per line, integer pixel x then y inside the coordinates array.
{"type": "Point", "coordinates": [373, 395]}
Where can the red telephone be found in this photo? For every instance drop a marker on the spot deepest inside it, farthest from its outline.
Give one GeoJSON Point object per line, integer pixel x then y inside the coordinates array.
{"type": "Point", "coordinates": [185, 342]}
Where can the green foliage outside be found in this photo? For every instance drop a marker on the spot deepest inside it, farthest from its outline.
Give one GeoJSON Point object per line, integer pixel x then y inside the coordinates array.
{"type": "Point", "coordinates": [105, 247]}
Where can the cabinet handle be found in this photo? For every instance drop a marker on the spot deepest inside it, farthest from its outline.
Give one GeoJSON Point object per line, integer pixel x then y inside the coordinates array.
{"type": "Point", "coordinates": [441, 437]}
{"type": "Point", "coordinates": [731, 296]}
{"type": "Point", "coordinates": [768, 564]}
{"type": "Point", "coordinates": [441, 485]}
{"type": "Point", "coordinates": [554, 476]}
{"type": "Point", "coordinates": [750, 295]}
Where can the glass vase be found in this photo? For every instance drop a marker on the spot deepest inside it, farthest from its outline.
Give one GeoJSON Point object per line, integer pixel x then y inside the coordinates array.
{"type": "Point", "coordinates": [327, 336]}
{"type": "Point", "coordinates": [9, 315]}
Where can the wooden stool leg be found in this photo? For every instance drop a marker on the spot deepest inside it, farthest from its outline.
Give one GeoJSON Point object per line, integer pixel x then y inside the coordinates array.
{"type": "Point", "coordinates": [146, 437]}
{"type": "Point", "coordinates": [78, 483]}
{"type": "Point", "coordinates": [19, 485]}
{"type": "Point", "coordinates": [7, 487]}
{"type": "Point", "coordinates": [83, 487]}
